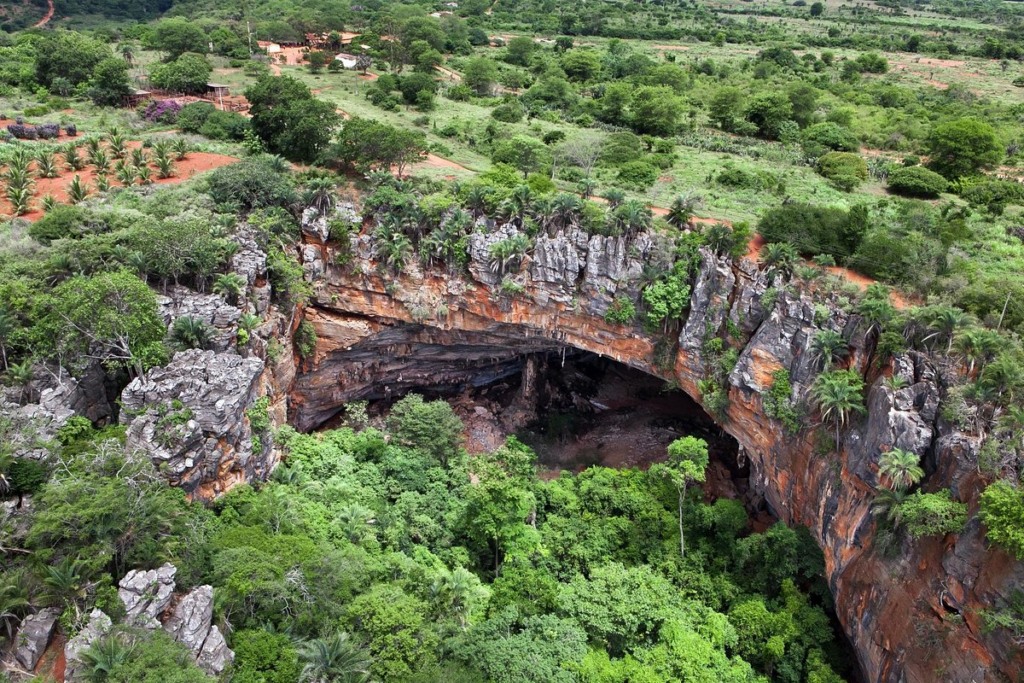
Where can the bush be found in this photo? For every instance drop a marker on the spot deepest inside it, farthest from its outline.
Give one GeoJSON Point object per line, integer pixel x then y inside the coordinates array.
{"type": "Point", "coordinates": [815, 229]}
{"type": "Point", "coordinates": [739, 179]}
{"type": "Point", "coordinates": [251, 184]}
{"type": "Point", "coordinates": [510, 112]}
{"type": "Point", "coordinates": [994, 194]}
{"type": "Point", "coordinates": [1002, 511]}
{"type": "Point", "coordinates": [916, 181]}
{"type": "Point", "coordinates": [48, 131]}
{"type": "Point", "coordinates": [932, 514]}
{"type": "Point", "coordinates": [191, 117]}
{"type": "Point", "coordinates": [621, 312]}
{"type": "Point", "coordinates": [59, 223]}
{"type": "Point", "coordinates": [822, 137]}
{"type": "Point", "coordinates": [162, 111]}
{"type": "Point", "coordinates": [23, 132]}
{"type": "Point", "coordinates": [844, 170]}
{"type": "Point", "coordinates": [637, 174]}
{"type": "Point", "coordinates": [71, 130]}
{"type": "Point", "coordinates": [225, 125]}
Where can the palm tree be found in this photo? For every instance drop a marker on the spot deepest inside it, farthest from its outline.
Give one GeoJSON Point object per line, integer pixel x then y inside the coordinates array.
{"type": "Point", "coordinates": [681, 212]}
{"type": "Point", "coordinates": [49, 203]}
{"type": "Point", "coordinates": [191, 333]}
{"type": "Point", "coordinates": [837, 394]}
{"type": "Point", "coordinates": [614, 196]}
{"type": "Point", "coordinates": [632, 218]}
{"type": "Point", "coordinates": [144, 174]}
{"type": "Point", "coordinates": [779, 258]}
{"type": "Point", "coordinates": [354, 520]}
{"type": "Point", "coordinates": [944, 323]}
{"type": "Point", "coordinates": [180, 148]}
{"type": "Point", "coordinates": [8, 326]}
{"type": "Point", "coordinates": [1004, 375]}
{"type": "Point", "coordinates": [14, 601]}
{"type": "Point", "coordinates": [164, 167]}
{"type": "Point", "coordinates": [77, 190]}
{"type": "Point", "coordinates": [320, 195]}
{"type": "Point", "coordinates": [46, 165]}
{"type": "Point", "coordinates": [477, 199]}
{"type": "Point", "coordinates": [886, 506]}
{"type": "Point", "coordinates": [587, 187]}
{"type": "Point", "coordinates": [565, 210]}
{"type": "Point", "coordinates": [230, 286]}
{"type": "Point", "coordinates": [139, 157]}
{"type": "Point", "coordinates": [249, 322]}
{"type": "Point", "coordinates": [393, 246]}
{"type": "Point", "coordinates": [116, 143]}
{"type": "Point", "coordinates": [66, 585]}
{"type": "Point", "coordinates": [72, 158]}
{"type": "Point", "coordinates": [104, 655]}
{"type": "Point", "coordinates": [125, 173]}
{"type": "Point", "coordinates": [902, 468]}
{"type": "Point", "coordinates": [828, 347]}
{"type": "Point", "coordinates": [877, 313]}
{"type": "Point", "coordinates": [335, 659]}
{"type": "Point", "coordinates": [127, 53]}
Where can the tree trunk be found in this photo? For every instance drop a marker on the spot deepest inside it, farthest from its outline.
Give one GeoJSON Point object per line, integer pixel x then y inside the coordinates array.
{"type": "Point", "coordinates": [682, 542]}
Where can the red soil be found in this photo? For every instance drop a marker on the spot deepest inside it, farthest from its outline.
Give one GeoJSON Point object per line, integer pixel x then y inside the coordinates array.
{"type": "Point", "coordinates": [49, 15]}
{"type": "Point", "coordinates": [194, 164]}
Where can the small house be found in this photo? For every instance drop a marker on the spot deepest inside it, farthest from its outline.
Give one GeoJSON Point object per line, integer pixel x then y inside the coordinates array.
{"type": "Point", "coordinates": [347, 61]}
{"type": "Point", "coordinates": [137, 97]}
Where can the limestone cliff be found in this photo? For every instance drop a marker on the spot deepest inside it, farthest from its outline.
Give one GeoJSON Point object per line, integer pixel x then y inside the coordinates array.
{"type": "Point", "coordinates": [914, 617]}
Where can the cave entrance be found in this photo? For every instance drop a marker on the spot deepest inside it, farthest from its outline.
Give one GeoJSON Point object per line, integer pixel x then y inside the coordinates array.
{"type": "Point", "coordinates": [577, 409]}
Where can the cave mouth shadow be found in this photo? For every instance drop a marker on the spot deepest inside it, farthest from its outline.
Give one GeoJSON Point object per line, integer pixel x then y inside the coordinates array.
{"type": "Point", "coordinates": [578, 409]}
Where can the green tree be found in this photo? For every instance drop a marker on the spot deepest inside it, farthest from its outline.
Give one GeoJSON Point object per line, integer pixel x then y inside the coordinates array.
{"type": "Point", "coordinates": [109, 85]}
{"type": "Point", "coordinates": [68, 55]}
{"type": "Point", "coordinates": [767, 111]}
{"type": "Point", "coordinates": [401, 639]}
{"type": "Point", "coordinates": [335, 659]}
{"type": "Point", "coordinates": [726, 107]}
{"type": "Point", "coordinates": [1002, 511]}
{"type": "Point", "coordinates": [528, 154]}
{"type": "Point", "coordinates": [112, 317]}
{"type": "Point", "coordinates": [189, 73]}
{"type": "Point", "coordinates": [480, 74]}
{"type": "Point", "coordinates": [289, 120]}
{"type": "Point", "coordinates": [366, 145]}
{"type": "Point", "coordinates": [263, 657]}
{"type": "Point", "coordinates": [431, 426]}
{"type": "Point", "coordinates": [519, 50]}
{"type": "Point", "coordinates": [687, 463]}
{"type": "Point", "coordinates": [174, 37]}
{"type": "Point", "coordinates": [932, 514]}
{"type": "Point", "coordinates": [963, 147]}
{"type": "Point", "coordinates": [902, 468]}
{"type": "Point", "coordinates": [655, 110]}
{"type": "Point", "coordinates": [837, 394]}
{"type": "Point", "coordinates": [581, 66]}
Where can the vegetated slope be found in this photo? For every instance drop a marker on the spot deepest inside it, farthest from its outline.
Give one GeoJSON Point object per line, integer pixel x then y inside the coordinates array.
{"type": "Point", "coordinates": [114, 10]}
{"type": "Point", "coordinates": [19, 14]}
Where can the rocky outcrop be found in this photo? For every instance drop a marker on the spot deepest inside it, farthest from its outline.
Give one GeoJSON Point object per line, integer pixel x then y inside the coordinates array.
{"type": "Point", "coordinates": [99, 625]}
{"type": "Point", "coordinates": [191, 624]}
{"type": "Point", "coordinates": [915, 617]}
{"type": "Point", "coordinates": [212, 309]}
{"type": "Point", "coordinates": [191, 418]}
{"type": "Point", "coordinates": [146, 594]}
{"type": "Point", "coordinates": [33, 637]}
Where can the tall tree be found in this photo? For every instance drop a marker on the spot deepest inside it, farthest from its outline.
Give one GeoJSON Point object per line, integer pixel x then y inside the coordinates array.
{"type": "Point", "coordinates": [838, 394]}
{"type": "Point", "coordinates": [289, 119]}
{"type": "Point", "coordinates": [687, 463]}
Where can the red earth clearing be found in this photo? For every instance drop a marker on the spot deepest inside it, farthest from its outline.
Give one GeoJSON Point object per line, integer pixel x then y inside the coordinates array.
{"type": "Point", "coordinates": [194, 164]}
{"type": "Point", "coordinates": [46, 18]}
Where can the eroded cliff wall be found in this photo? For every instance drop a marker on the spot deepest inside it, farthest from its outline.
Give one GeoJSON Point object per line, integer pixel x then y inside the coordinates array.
{"type": "Point", "coordinates": [914, 616]}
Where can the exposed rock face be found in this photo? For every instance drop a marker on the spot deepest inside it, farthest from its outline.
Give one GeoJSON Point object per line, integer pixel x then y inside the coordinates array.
{"type": "Point", "coordinates": [147, 597]}
{"type": "Point", "coordinates": [99, 625]}
{"type": "Point", "coordinates": [190, 417]}
{"type": "Point", "coordinates": [33, 637]}
{"type": "Point", "coordinates": [387, 334]}
{"type": "Point", "coordinates": [212, 309]}
{"type": "Point", "coordinates": [192, 625]}
{"type": "Point", "coordinates": [146, 594]}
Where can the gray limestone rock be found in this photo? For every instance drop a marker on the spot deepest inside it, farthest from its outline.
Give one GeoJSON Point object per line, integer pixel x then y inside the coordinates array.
{"type": "Point", "coordinates": [212, 309]}
{"type": "Point", "coordinates": [191, 625]}
{"type": "Point", "coordinates": [189, 416]}
{"type": "Point", "coordinates": [146, 594]}
{"type": "Point", "coordinates": [33, 637]}
{"type": "Point", "coordinates": [99, 625]}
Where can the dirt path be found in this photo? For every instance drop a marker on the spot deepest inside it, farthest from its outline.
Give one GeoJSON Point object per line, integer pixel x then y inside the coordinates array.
{"type": "Point", "coordinates": [453, 75]}
{"type": "Point", "coordinates": [46, 19]}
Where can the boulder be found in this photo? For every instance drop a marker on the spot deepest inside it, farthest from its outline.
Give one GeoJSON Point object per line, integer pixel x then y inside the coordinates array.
{"type": "Point", "coordinates": [191, 625]}
{"type": "Point", "coordinates": [212, 309]}
{"type": "Point", "coordinates": [33, 637]}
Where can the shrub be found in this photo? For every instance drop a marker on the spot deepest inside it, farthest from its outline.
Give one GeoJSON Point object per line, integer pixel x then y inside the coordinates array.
{"type": "Point", "coordinates": [48, 131]}
{"type": "Point", "coordinates": [1002, 511]}
{"type": "Point", "coordinates": [191, 117]}
{"type": "Point", "coordinates": [637, 174]}
{"type": "Point", "coordinates": [739, 179]}
{"type": "Point", "coordinates": [224, 125]}
{"type": "Point", "coordinates": [23, 132]}
{"type": "Point", "coordinates": [916, 181]}
{"type": "Point", "coordinates": [61, 222]}
{"type": "Point", "coordinates": [509, 112]}
{"type": "Point", "coordinates": [827, 135]}
{"type": "Point", "coordinates": [305, 339]}
{"type": "Point", "coordinates": [621, 312]}
{"type": "Point", "coordinates": [932, 514]}
{"type": "Point", "coordinates": [815, 229]}
{"type": "Point", "coordinates": [251, 184]}
{"type": "Point", "coordinates": [844, 170]}
{"type": "Point", "coordinates": [993, 193]}
{"type": "Point", "coordinates": [71, 130]}
{"type": "Point", "coordinates": [162, 111]}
